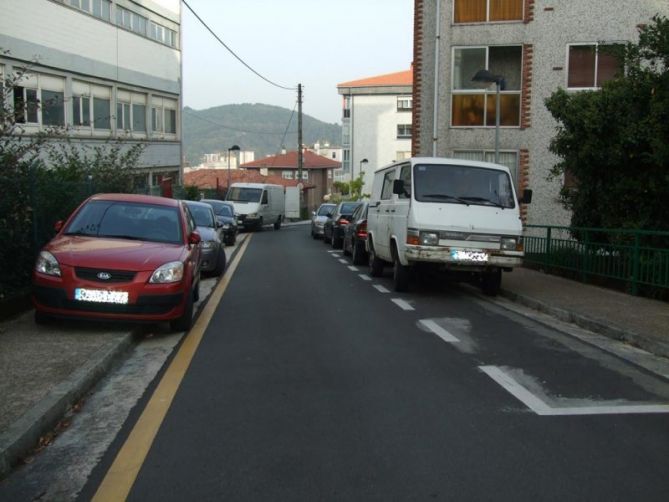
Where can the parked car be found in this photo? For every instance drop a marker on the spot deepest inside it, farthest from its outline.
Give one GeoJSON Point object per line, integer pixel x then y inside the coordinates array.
{"type": "Point", "coordinates": [319, 217]}
{"type": "Point", "coordinates": [225, 215]}
{"type": "Point", "coordinates": [333, 229]}
{"type": "Point", "coordinates": [355, 235]}
{"type": "Point", "coordinates": [213, 248]}
{"type": "Point", "coordinates": [121, 257]}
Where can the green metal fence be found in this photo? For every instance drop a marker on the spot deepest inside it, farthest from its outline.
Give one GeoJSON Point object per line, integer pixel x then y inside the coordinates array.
{"type": "Point", "coordinates": [637, 259]}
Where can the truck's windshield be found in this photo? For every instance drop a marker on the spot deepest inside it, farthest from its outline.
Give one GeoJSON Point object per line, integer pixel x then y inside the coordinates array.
{"type": "Point", "coordinates": [243, 194]}
{"type": "Point", "coordinates": [462, 185]}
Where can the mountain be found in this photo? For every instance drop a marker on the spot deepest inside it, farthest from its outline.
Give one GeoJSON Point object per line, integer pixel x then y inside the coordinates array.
{"type": "Point", "coordinates": [255, 127]}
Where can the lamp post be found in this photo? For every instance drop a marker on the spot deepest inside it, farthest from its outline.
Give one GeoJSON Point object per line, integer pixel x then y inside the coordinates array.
{"type": "Point", "coordinates": [233, 148]}
{"type": "Point", "coordinates": [363, 161]}
{"type": "Point", "coordinates": [488, 78]}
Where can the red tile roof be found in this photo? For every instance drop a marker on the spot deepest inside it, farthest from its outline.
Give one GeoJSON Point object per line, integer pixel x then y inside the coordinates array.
{"type": "Point", "coordinates": [402, 78]}
{"type": "Point", "coordinates": [310, 160]}
{"type": "Point", "coordinates": [213, 178]}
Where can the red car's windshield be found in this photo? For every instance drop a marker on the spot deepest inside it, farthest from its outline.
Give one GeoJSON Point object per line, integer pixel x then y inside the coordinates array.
{"type": "Point", "coordinates": [127, 220]}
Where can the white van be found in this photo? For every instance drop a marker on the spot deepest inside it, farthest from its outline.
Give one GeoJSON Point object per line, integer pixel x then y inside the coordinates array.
{"type": "Point", "coordinates": [455, 214]}
{"type": "Point", "coordinates": [258, 204]}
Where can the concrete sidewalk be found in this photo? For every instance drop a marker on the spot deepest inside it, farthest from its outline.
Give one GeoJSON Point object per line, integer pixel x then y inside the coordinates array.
{"type": "Point", "coordinates": [46, 370]}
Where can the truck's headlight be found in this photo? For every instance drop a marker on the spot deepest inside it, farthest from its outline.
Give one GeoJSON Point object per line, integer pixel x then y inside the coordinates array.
{"type": "Point", "coordinates": [252, 215]}
{"type": "Point", "coordinates": [47, 264]}
{"type": "Point", "coordinates": [226, 226]}
{"type": "Point", "coordinates": [170, 272]}
{"type": "Point", "coordinates": [207, 244]}
{"type": "Point", "coordinates": [509, 243]}
{"type": "Point", "coordinates": [429, 238]}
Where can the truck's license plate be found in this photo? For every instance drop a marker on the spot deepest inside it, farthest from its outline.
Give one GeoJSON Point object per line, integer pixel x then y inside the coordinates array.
{"type": "Point", "coordinates": [475, 256]}
{"type": "Point", "coordinates": [100, 296]}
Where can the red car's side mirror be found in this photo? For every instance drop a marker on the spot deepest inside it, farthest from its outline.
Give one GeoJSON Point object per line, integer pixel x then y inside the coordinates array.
{"type": "Point", "coordinates": [58, 225]}
{"type": "Point", "coordinates": [194, 238]}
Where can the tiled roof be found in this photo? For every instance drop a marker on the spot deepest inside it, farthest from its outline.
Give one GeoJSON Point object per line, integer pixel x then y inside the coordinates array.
{"type": "Point", "coordinates": [213, 178]}
{"type": "Point", "coordinates": [401, 78]}
{"type": "Point", "coordinates": [310, 160]}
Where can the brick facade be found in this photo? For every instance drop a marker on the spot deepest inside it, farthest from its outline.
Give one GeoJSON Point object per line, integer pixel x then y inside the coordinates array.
{"type": "Point", "coordinates": [526, 95]}
{"type": "Point", "coordinates": [417, 76]}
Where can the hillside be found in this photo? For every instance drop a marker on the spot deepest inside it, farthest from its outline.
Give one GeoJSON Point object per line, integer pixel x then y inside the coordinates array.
{"type": "Point", "coordinates": [254, 127]}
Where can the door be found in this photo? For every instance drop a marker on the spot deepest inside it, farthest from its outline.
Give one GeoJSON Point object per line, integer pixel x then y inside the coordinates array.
{"type": "Point", "coordinates": [385, 209]}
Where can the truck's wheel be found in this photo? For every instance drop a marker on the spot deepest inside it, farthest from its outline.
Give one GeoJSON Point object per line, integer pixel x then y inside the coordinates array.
{"type": "Point", "coordinates": [491, 282]}
{"type": "Point", "coordinates": [401, 274]}
{"type": "Point", "coordinates": [375, 263]}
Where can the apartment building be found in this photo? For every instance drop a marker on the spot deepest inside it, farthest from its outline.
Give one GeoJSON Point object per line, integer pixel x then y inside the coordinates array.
{"type": "Point", "coordinates": [104, 69]}
{"type": "Point", "coordinates": [532, 47]}
{"type": "Point", "coordinates": [376, 123]}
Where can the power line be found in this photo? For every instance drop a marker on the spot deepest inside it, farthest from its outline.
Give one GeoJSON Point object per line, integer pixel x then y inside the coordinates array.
{"type": "Point", "coordinates": [233, 52]}
{"type": "Point", "coordinates": [238, 130]}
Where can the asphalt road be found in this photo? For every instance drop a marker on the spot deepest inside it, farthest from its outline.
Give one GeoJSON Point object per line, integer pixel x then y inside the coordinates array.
{"type": "Point", "coordinates": [314, 382]}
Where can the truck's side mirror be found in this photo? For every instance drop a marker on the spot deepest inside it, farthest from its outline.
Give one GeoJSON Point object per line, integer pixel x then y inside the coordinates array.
{"type": "Point", "coordinates": [58, 225]}
{"type": "Point", "coordinates": [527, 196]}
{"type": "Point", "coordinates": [398, 187]}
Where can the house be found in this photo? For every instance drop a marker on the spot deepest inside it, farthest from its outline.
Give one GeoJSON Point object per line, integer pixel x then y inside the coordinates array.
{"type": "Point", "coordinates": [376, 123]}
{"type": "Point", "coordinates": [532, 48]}
{"type": "Point", "coordinates": [217, 179]}
{"type": "Point", "coordinates": [104, 69]}
{"type": "Point", "coordinates": [316, 173]}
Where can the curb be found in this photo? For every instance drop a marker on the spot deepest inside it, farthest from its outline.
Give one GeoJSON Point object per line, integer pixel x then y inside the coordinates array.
{"type": "Point", "coordinates": [25, 432]}
{"type": "Point", "coordinates": [636, 339]}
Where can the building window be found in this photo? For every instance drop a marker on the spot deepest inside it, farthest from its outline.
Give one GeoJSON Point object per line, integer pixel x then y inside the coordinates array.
{"type": "Point", "coordinates": [99, 8]}
{"type": "Point", "coordinates": [139, 117]}
{"type": "Point", "coordinates": [347, 107]}
{"type": "Point", "coordinates": [590, 65]}
{"type": "Point", "coordinates": [404, 130]}
{"type": "Point", "coordinates": [508, 159]}
{"type": "Point", "coordinates": [81, 110]}
{"type": "Point", "coordinates": [164, 115]}
{"type": "Point", "coordinates": [40, 100]}
{"type": "Point", "coordinates": [346, 160]}
{"type": "Point", "coordinates": [131, 20]}
{"type": "Point", "coordinates": [481, 11]}
{"type": "Point", "coordinates": [163, 35]}
{"type": "Point", "coordinates": [101, 113]}
{"type": "Point", "coordinates": [123, 121]}
{"type": "Point", "coordinates": [475, 107]}
{"type": "Point", "coordinates": [287, 175]}
{"type": "Point", "coordinates": [404, 103]}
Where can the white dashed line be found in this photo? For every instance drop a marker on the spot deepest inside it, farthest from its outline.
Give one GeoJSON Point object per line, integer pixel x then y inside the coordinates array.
{"type": "Point", "coordinates": [335, 255]}
{"type": "Point", "coordinates": [365, 277]}
{"type": "Point", "coordinates": [432, 326]}
{"type": "Point", "coordinates": [331, 251]}
{"type": "Point", "coordinates": [539, 407]}
{"type": "Point", "coordinates": [353, 269]}
{"type": "Point", "coordinates": [381, 289]}
{"type": "Point", "coordinates": [402, 304]}
{"type": "Point", "coordinates": [345, 262]}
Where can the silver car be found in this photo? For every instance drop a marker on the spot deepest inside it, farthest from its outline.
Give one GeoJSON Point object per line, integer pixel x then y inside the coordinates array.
{"type": "Point", "coordinates": [213, 248]}
{"type": "Point", "coordinates": [319, 217]}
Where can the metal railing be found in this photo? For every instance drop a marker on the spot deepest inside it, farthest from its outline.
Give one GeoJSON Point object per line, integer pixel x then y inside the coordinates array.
{"type": "Point", "coordinates": [633, 258]}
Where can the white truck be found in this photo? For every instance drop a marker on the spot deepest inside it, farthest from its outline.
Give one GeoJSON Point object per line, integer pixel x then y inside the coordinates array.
{"type": "Point", "coordinates": [458, 215]}
{"type": "Point", "coordinates": [258, 204]}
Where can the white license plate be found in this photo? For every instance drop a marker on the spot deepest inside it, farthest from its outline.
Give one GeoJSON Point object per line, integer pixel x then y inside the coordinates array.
{"type": "Point", "coordinates": [100, 296]}
{"type": "Point", "coordinates": [471, 256]}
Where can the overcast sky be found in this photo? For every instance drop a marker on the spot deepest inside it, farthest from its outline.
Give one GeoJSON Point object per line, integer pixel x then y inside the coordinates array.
{"type": "Point", "coordinates": [313, 42]}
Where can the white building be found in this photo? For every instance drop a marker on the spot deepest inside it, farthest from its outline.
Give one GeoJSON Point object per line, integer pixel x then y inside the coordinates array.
{"type": "Point", "coordinates": [538, 46]}
{"type": "Point", "coordinates": [376, 123]}
{"type": "Point", "coordinates": [335, 153]}
{"type": "Point", "coordinates": [105, 69]}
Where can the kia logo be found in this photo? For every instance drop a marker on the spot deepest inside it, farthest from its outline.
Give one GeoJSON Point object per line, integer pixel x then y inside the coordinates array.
{"type": "Point", "coordinates": [104, 276]}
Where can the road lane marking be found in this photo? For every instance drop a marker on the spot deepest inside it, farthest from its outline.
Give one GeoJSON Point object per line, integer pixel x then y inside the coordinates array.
{"type": "Point", "coordinates": [433, 327]}
{"type": "Point", "coordinates": [365, 277]}
{"type": "Point", "coordinates": [540, 407]}
{"type": "Point", "coordinates": [353, 269]}
{"type": "Point", "coordinates": [335, 255]}
{"type": "Point", "coordinates": [123, 472]}
{"type": "Point", "coordinates": [381, 289]}
{"type": "Point", "coordinates": [344, 262]}
{"type": "Point", "coordinates": [404, 305]}
{"type": "Point", "coordinates": [331, 251]}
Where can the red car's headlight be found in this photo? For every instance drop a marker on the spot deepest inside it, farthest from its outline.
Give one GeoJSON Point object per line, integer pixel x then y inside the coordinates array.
{"type": "Point", "coordinates": [47, 264]}
{"type": "Point", "coordinates": [170, 272]}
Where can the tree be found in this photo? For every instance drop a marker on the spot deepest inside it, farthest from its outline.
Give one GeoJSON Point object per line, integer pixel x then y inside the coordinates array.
{"type": "Point", "coordinates": [615, 141]}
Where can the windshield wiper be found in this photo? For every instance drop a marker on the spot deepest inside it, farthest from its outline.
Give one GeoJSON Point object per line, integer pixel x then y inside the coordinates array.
{"type": "Point", "coordinates": [128, 237]}
{"type": "Point", "coordinates": [483, 199]}
{"type": "Point", "coordinates": [81, 233]}
{"type": "Point", "coordinates": [446, 196]}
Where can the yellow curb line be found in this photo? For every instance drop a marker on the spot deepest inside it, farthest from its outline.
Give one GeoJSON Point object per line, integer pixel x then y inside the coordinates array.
{"type": "Point", "coordinates": [123, 472]}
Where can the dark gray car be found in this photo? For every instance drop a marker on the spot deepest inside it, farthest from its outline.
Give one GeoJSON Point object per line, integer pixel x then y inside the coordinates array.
{"type": "Point", "coordinates": [225, 214]}
{"type": "Point", "coordinates": [213, 249]}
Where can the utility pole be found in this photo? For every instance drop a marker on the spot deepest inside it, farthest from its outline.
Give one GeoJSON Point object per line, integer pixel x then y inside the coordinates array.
{"type": "Point", "coordinates": [300, 159]}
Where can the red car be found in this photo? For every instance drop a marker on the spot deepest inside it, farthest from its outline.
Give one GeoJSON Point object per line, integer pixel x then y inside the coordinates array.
{"type": "Point", "coordinates": [121, 257]}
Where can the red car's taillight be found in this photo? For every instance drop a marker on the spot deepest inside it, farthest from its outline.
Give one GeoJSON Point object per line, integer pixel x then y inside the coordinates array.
{"type": "Point", "coordinates": [343, 221]}
{"type": "Point", "coordinates": [361, 231]}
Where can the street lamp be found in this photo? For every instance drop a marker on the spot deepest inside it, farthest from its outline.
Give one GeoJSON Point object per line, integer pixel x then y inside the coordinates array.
{"type": "Point", "coordinates": [233, 148]}
{"type": "Point", "coordinates": [363, 161]}
{"type": "Point", "coordinates": [488, 78]}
